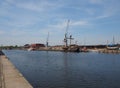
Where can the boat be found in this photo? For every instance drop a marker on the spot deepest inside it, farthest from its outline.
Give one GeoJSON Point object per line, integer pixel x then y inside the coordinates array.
{"type": "Point", "coordinates": [31, 49]}
{"type": "Point", "coordinates": [113, 47]}
{"type": "Point", "coordinates": [70, 47]}
{"type": "Point", "coordinates": [84, 49]}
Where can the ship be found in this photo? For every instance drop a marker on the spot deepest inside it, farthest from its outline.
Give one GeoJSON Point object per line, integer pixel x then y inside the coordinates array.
{"type": "Point", "coordinates": [69, 47]}
{"type": "Point", "coordinates": [113, 46]}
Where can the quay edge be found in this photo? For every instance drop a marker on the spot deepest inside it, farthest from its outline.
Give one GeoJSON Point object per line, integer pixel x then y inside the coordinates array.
{"type": "Point", "coordinates": [10, 77]}
{"type": "Point", "coordinates": [109, 51]}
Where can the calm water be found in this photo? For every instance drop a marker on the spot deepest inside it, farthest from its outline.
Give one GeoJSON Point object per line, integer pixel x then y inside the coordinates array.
{"type": "Point", "coordinates": [67, 70]}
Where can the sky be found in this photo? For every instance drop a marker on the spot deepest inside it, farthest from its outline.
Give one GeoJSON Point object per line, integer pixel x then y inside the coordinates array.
{"type": "Point", "coordinates": [29, 21]}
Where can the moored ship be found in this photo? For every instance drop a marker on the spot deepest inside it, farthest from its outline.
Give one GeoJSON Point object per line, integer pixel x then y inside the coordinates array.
{"type": "Point", "coordinates": [70, 47]}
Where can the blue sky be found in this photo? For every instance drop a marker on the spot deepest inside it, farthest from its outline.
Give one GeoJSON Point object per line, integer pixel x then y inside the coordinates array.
{"type": "Point", "coordinates": [29, 21]}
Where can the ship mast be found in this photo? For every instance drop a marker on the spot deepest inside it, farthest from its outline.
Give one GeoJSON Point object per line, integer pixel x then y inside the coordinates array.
{"type": "Point", "coordinates": [113, 40]}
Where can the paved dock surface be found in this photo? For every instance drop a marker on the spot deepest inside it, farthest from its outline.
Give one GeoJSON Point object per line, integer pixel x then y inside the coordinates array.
{"type": "Point", "coordinates": [10, 77]}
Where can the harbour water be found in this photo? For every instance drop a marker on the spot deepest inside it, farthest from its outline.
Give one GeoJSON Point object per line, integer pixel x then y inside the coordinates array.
{"type": "Point", "coordinates": [46, 69]}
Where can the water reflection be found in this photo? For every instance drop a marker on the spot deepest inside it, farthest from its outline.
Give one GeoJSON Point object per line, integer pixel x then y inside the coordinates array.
{"type": "Point", "coordinates": [65, 61]}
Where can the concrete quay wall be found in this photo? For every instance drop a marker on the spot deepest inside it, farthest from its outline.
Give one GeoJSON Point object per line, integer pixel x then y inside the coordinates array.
{"type": "Point", "coordinates": [10, 77]}
{"type": "Point", "coordinates": [109, 51]}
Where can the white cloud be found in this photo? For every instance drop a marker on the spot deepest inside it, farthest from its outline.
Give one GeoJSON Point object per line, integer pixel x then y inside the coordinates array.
{"type": "Point", "coordinates": [55, 28]}
{"type": "Point", "coordinates": [103, 16]}
{"type": "Point", "coordinates": [61, 26]}
{"type": "Point", "coordinates": [108, 12]}
{"type": "Point", "coordinates": [107, 8]}
{"type": "Point", "coordinates": [43, 5]}
{"type": "Point", "coordinates": [79, 23]}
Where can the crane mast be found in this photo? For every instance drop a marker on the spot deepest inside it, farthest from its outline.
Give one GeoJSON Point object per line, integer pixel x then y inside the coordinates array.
{"type": "Point", "coordinates": [47, 43]}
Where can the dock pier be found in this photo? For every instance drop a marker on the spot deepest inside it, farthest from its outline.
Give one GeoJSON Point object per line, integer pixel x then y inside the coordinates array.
{"type": "Point", "coordinates": [109, 51]}
{"type": "Point", "coordinates": [10, 77]}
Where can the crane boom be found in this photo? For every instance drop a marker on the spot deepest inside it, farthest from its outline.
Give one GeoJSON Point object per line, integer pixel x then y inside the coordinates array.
{"type": "Point", "coordinates": [65, 39]}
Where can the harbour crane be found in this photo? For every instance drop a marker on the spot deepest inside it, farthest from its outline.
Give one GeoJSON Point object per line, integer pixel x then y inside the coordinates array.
{"type": "Point", "coordinates": [47, 43]}
{"type": "Point", "coordinates": [66, 35]}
